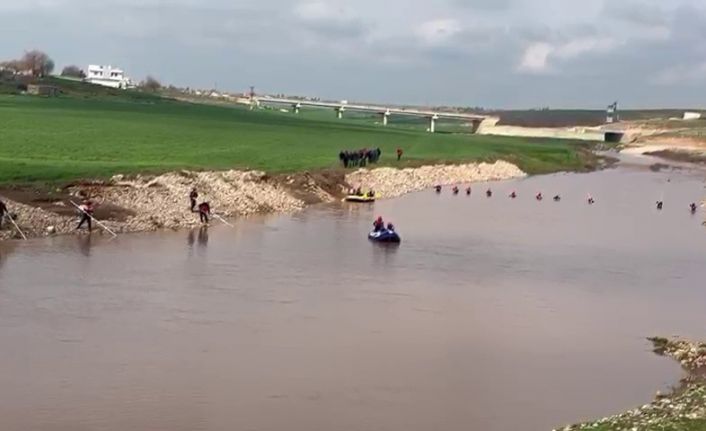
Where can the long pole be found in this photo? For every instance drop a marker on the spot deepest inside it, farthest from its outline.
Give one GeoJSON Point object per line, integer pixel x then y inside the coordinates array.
{"type": "Point", "coordinates": [94, 219]}
{"type": "Point", "coordinates": [222, 219]}
{"type": "Point", "coordinates": [16, 227]}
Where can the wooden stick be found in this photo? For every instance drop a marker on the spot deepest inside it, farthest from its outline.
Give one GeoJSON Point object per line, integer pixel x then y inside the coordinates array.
{"type": "Point", "coordinates": [222, 219]}
{"type": "Point", "coordinates": [9, 217]}
{"type": "Point", "coordinates": [94, 219]}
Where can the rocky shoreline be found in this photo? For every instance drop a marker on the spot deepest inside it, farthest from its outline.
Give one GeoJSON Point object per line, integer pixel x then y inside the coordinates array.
{"type": "Point", "coordinates": [683, 409]}
{"type": "Point", "coordinates": [391, 182]}
{"type": "Point", "coordinates": [149, 203]}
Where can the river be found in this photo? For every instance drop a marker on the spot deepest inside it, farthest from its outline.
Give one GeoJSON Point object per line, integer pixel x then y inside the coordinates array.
{"type": "Point", "coordinates": [493, 314]}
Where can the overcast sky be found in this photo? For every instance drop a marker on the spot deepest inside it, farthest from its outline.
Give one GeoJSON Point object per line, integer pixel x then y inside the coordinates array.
{"type": "Point", "coordinates": [493, 53]}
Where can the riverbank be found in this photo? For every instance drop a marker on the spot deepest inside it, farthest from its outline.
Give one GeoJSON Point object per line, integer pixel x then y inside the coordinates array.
{"type": "Point", "coordinates": [148, 203]}
{"type": "Point", "coordinates": [390, 182]}
{"type": "Point", "coordinates": [682, 410]}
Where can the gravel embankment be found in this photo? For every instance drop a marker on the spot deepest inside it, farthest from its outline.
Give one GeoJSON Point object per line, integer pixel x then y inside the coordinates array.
{"type": "Point", "coordinates": [391, 182]}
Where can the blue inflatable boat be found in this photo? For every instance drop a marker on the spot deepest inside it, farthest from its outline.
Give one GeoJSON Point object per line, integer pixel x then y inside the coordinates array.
{"type": "Point", "coordinates": [384, 235]}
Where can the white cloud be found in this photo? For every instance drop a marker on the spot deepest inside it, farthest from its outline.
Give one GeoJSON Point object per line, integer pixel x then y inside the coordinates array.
{"type": "Point", "coordinates": [536, 58]}
{"type": "Point", "coordinates": [317, 10]}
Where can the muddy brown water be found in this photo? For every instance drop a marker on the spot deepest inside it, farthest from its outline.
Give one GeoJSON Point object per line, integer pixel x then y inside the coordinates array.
{"type": "Point", "coordinates": [493, 314]}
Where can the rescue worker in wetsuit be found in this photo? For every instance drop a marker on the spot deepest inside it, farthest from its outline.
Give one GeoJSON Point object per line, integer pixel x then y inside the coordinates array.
{"type": "Point", "coordinates": [86, 209]}
{"type": "Point", "coordinates": [438, 189]}
{"type": "Point", "coordinates": [539, 196]}
{"type": "Point", "coordinates": [192, 198]}
{"type": "Point", "coordinates": [591, 201]}
{"type": "Point", "coordinates": [660, 205]}
{"type": "Point", "coordinates": [378, 225]}
{"type": "Point", "coordinates": [455, 190]}
{"type": "Point", "coordinates": [513, 195]}
{"type": "Point", "coordinates": [557, 198]}
{"type": "Point", "coordinates": [204, 212]}
{"type": "Point", "coordinates": [489, 193]}
{"type": "Point", "coordinates": [692, 207]}
{"type": "Point", "coordinates": [468, 191]}
{"type": "Point", "coordinates": [390, 227]}
{"type": "Point", "coordinates": [359, 192]}
{"type": "Point", "coordinates": [3, 211]}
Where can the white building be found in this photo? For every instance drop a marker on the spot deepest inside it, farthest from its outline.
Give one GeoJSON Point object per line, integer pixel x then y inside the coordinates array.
{"type": "Point", "coordinates": [107, 76]}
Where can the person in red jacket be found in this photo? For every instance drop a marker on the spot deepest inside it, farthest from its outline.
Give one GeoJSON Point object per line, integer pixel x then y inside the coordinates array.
{"type": "Point", "coordinates": [204, 212]}
{"type": "Point", "coordinates": [378, 225]}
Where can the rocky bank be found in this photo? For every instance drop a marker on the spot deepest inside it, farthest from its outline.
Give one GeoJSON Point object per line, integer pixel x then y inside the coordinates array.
{"type": "Point", "coordinates": [683, 409]}
{"type": "Point", "coordinates": [391, 182]}
{"type": "Point", "coordinates": [147, 203]}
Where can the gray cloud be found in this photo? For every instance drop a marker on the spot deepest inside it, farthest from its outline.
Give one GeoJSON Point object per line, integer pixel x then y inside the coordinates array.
{"type": "Point", "coordinates": [475, 52]}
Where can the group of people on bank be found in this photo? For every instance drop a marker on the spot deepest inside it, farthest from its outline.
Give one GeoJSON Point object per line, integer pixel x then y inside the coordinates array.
{"type": "Point", "coordinates": [360, 158]}
{"type": "Point", "coordinates": [351, 159]}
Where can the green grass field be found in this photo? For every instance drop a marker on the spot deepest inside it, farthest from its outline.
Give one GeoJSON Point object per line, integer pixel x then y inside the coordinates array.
{"type": "Point", "coordinates": [79, 136]}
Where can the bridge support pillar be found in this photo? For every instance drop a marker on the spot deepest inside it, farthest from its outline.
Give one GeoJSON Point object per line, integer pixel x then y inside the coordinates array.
{"type": "Point", "coordinates": [432, 123]}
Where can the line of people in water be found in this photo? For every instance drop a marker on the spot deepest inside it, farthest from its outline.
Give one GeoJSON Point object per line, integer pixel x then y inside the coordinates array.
{"type": "Point", "coordinates": [360, 157]}
{"type": "Point", "coordinates": [539, 196]}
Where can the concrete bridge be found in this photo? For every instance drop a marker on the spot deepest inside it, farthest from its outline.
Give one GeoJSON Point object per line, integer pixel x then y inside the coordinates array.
{"type": "Point", "coordinates": [384, 112]}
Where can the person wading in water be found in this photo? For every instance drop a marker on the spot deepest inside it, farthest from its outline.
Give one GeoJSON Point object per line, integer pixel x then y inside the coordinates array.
{"type": "Point", "coordinates": [192, 198]}
{"type": "Point", "coordinates": [86, 208]}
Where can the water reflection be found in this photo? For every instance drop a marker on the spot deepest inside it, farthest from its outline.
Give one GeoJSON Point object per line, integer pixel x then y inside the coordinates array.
{"type": "Point", "coordinates": [203, 236]}
{"type": "Point", "coordinates": [84, 242]}
{"type": "Point", "coordinates": [6, 249]}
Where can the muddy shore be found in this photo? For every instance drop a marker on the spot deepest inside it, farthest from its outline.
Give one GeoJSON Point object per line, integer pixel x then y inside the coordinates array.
{"type": "Point", "coordinates": [148, 203]}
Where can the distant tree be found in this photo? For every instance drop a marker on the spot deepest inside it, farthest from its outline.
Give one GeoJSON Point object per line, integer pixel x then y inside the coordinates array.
{"type": "Point", "coordinates": [73, 72]}
{"type": "Point", "coordinates": [151, 84]}
{"type": "Point", "coordinates": [14, 66]}
{"type": "Point", "coordinates": [38, 62]}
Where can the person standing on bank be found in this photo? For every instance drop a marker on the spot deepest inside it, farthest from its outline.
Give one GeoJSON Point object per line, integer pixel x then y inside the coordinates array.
{"type": "Point", "coordinates": [86, 209]}
{"type": "Point", "coordinates": [192, 198]}
{"type": "Point", "coordinates": [3, 211]}
{"type": "Point", "coordinates": [204, 212]}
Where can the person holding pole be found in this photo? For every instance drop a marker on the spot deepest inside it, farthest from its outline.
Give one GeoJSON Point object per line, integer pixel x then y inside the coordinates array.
{"type": "Point", "coordinates": [204, 212]}
{"type": "Point", "coordinates": [86, 209]}
{"type": "Point", "coordinates": [3, 211]}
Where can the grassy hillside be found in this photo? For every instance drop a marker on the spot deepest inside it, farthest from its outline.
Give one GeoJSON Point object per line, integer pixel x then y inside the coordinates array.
{"type": "Point", "coordinates": [76, 136]}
